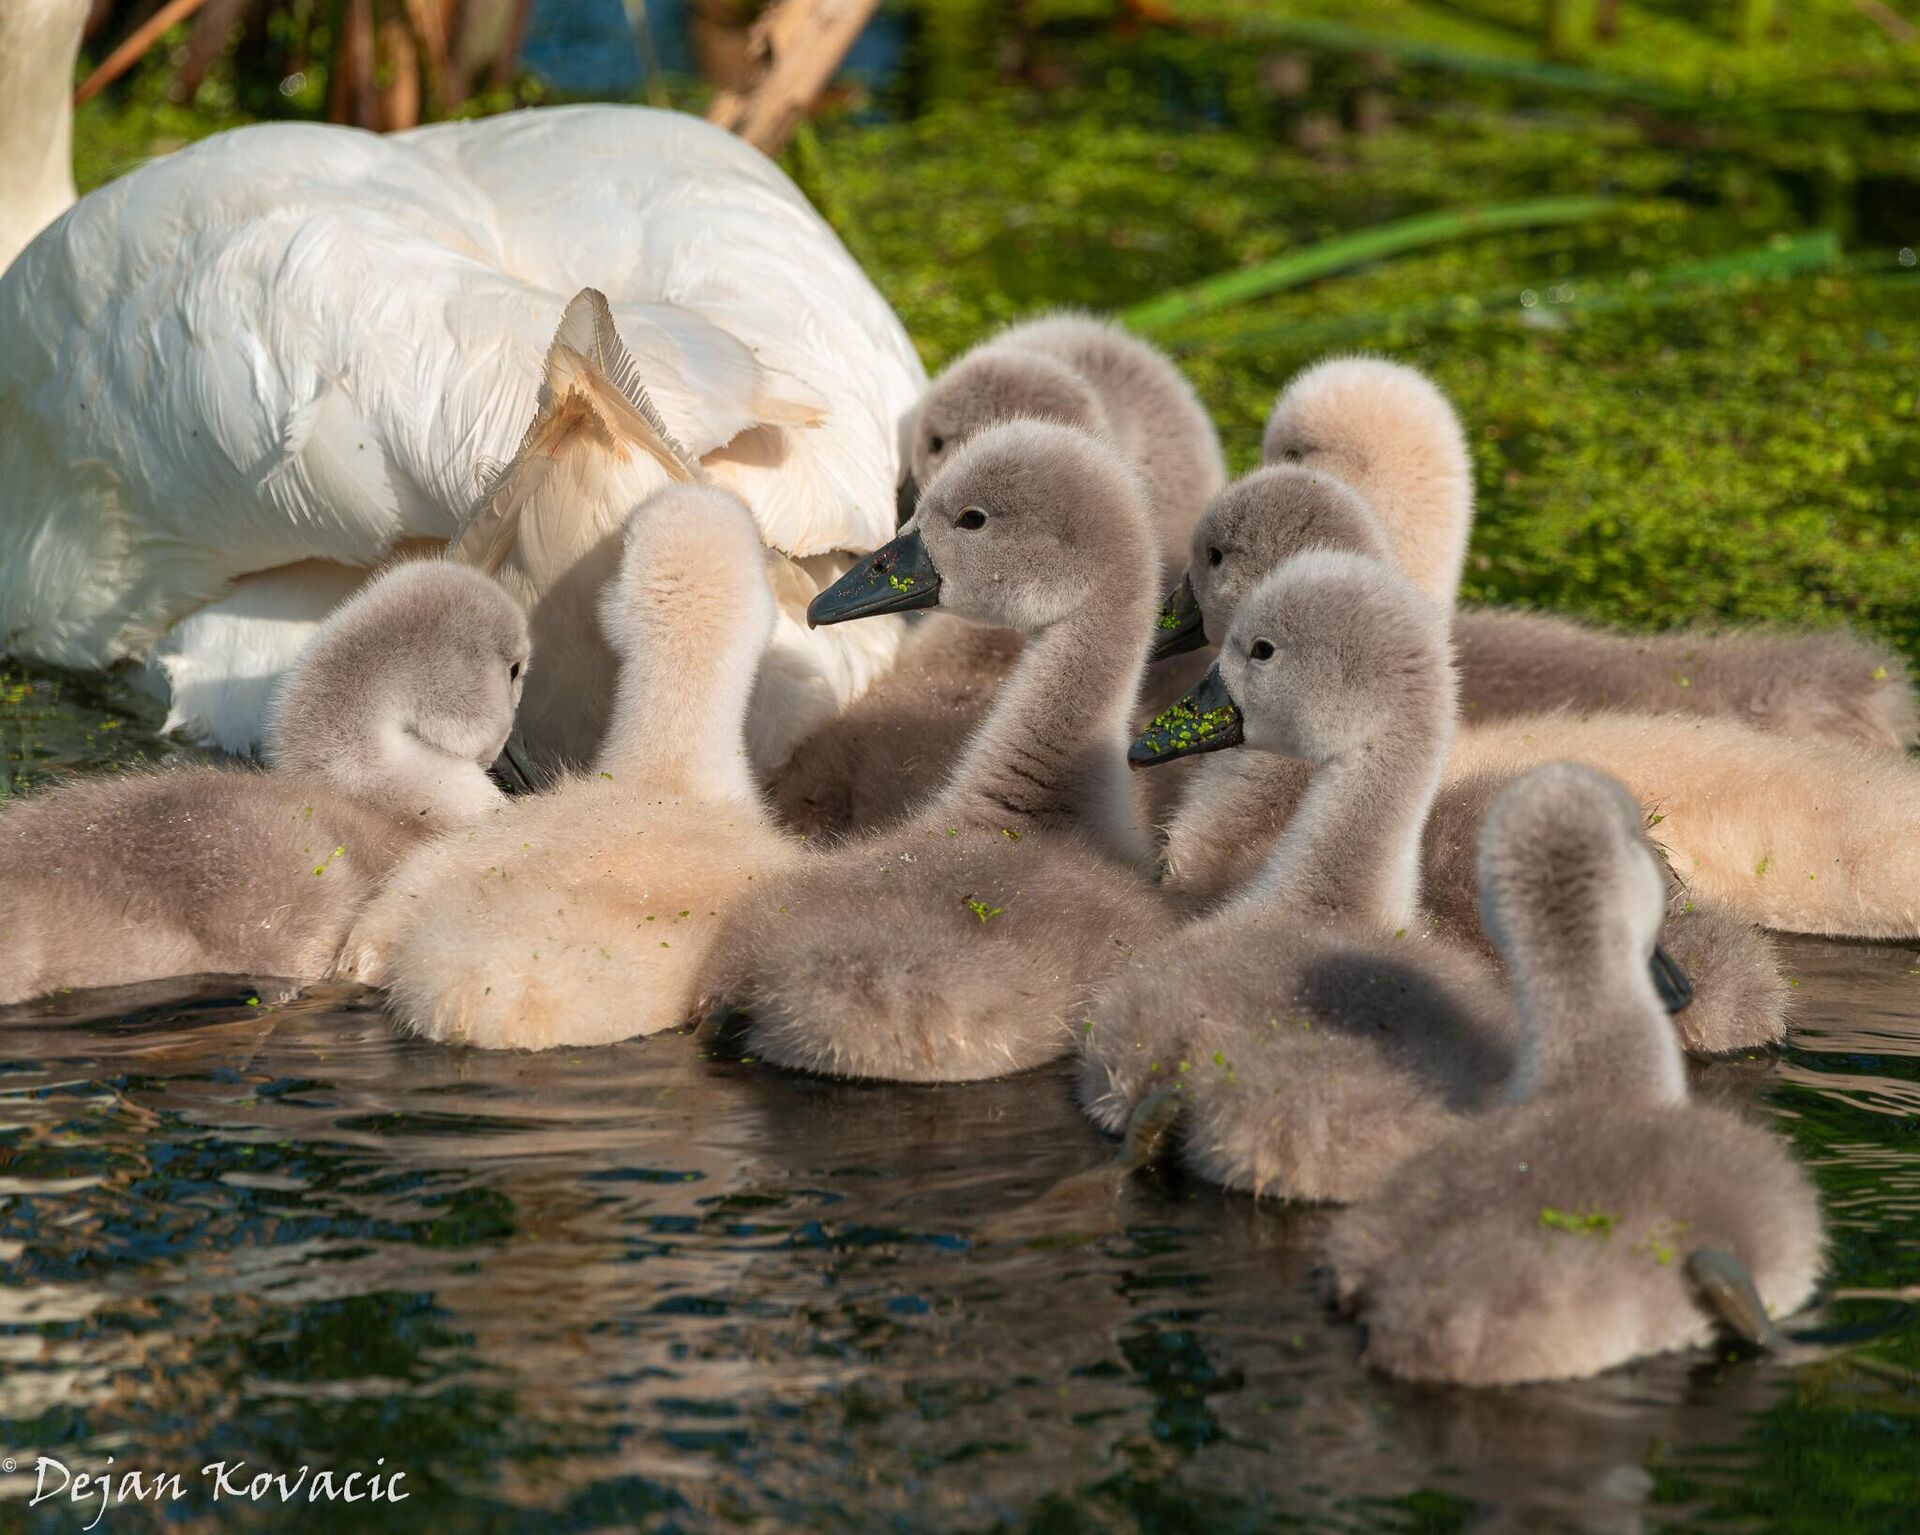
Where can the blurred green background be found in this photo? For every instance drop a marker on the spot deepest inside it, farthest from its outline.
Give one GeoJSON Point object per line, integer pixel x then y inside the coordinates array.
{"type": "Point", "coordinates": [1686, 357]}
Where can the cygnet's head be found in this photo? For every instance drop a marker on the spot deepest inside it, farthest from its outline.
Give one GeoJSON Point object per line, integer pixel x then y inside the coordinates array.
{"type": "Point", "coordinates": [1020, 529]}
{"type": "Point", "coordinates": [1566, 871]}
{"type": "Point", "coordinates": [1388, 431]}
{"type": "Point", "coordinates": [418, 673]}
{"type": "Point", "coordinates": [691, 584]}
{"type": "Point", "coordinates": [993, 383]}
{"type": "Point", "coordinates": [1331, 655]}
{"type": "Point", "coordinates": [1253, 527]}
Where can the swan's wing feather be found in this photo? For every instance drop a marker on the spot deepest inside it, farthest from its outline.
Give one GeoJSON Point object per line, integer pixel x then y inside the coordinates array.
{"type": "Point", "coordinates": [660, 209]}
{"type": "Point", "coordinates": [587, 332]}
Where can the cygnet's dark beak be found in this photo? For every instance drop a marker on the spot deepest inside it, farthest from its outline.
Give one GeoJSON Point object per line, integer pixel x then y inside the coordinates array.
{"type": "Point", "coordinates": [508, 770]}
{"type": "Point", "coordinates": [894, 578]}
{"type": "Point", "coordinates": [1179, 628]}
{"type": "Point", "coordinates": [1206, 720]}
{"type": "Point", "coordinates": [1670, 981]}
{"type": "Point", "coordinates": [906, 499]}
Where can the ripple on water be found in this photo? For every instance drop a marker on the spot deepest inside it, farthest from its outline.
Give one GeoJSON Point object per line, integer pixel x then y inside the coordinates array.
{"type": "Point", "coordinates": [635, 1287]}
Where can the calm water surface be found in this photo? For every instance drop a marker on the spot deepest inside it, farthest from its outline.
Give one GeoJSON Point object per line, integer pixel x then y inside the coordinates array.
{"type": "Point", "coordinates": [638, 1288]}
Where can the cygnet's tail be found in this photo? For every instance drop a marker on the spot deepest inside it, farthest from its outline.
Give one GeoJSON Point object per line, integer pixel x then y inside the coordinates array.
{"type": "Point", "coordinates": [1871, 696]}
{"type": "Point", "coordinates": [23, 941]}
{"type": "Point", "coordinates": [1807, 836]}
{"type": "Point", "coordinates": [512, 966]}
{"type": "Point", "coordinates": [870, 987]}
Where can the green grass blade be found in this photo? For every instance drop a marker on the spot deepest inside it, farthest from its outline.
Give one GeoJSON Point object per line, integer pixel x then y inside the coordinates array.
{"type": "Point", "coordinates": [1812, 252]}
{"type": "Point", "coordinates": [1328, 256]}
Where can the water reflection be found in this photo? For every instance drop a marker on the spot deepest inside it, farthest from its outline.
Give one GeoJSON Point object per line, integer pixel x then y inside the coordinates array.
{"type": "Point", "coordinates": [636, 1287]}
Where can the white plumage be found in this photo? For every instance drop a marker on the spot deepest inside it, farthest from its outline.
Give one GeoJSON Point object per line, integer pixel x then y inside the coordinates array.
{"type": "Point", "coordinates": [238, 377]}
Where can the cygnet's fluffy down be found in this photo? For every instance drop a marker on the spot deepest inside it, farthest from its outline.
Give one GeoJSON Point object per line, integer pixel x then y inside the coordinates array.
{"type": "Point", "coordinates": [1805, 836]}
{"type": "Point", "coordinates": [584, 914]}
{"type": "Point", "coordinates": [1551, 1236]}
{"type": "Point", "coordinates": [1820, 685]}
{"type": "Point", "coordinates": [381, 735]}
{"type": "Point", "coordinates": [930, 954]}
{"type": "Point", "coordinates": [957, 945]}
{"type": "Point", "coordinates": [1387, 431]}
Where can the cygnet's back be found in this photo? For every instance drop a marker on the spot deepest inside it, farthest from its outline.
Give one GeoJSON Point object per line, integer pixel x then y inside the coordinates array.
{"type": "Point", "coordinates": [1550, 1236]}
{"type": "Point", "coordinates": [382, 734]}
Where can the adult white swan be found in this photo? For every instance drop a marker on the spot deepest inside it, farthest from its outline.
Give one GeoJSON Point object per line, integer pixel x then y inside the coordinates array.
{"type": "Point", "coordinates": [236, 378]}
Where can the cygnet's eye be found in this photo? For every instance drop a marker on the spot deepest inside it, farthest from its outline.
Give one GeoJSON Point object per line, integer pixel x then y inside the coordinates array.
{"type": "Point", "coordinates": [1292, 455]}
{"type": "Point", "coordinates": [1214, 556]}
{"type": "Point", "coordinates": [936, 444]}
{"type": "Point", "coordinates": [971, 518]}
{"type": "Point", "coordinates": [513, 672]}
{"type": "Point", "coordinates": [1261, 650]}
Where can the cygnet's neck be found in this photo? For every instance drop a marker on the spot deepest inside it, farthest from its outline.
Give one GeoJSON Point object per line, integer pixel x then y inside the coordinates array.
{"type": "Point", "coordinates": [39, 40]}
{"type": "Point", "coordinates": [679, 719]}
{"type": "Point", "coordinates": [1351, 853]}
{"type": "Point", "coordinates": [1234, 801]}
{"type": "Point", "coordinates": [369, 748]}
{"type": "Point", "coordinates": [1591, 1022]}
{"type": "Point", "coordinates": [1054, 746]}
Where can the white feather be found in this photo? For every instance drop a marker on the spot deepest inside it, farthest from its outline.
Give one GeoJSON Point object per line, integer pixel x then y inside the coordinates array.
{"type": "Point", "coordinates": [295, 343]}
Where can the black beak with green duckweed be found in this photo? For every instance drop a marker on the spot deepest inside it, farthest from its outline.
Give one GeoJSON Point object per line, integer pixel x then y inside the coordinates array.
{"type": "Point", "coordinates": [1670, 981]}
{"type": "Point", "coordinates": [1206, 720]}
{"type": "Point", "coordinates": [896, 577]}
{"type": "Point", "coordinates": [1180, 627]}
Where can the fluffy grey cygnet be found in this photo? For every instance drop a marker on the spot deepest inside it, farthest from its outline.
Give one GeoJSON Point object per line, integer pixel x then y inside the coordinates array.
{"type": "Point", "coordinates": [1320, 1031]}
{"type": "Point", "coordinates": [957, 946]}
{"type": "Point", "coordinates": [896, 743]}
{"type": "Point", "coordinates": [381, 735]}
{"type": "Point", "coordinates": [1554, 1235]}
{"type": "Point", "coordinates": [1083, 372]}
{"type": "Point", "coordinates": [1237, 804]}
{"type": "Point", "coordinates": [1386, 430]}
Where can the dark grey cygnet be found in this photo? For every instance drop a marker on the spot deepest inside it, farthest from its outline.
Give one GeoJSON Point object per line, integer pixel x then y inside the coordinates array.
{"type": "Point", "coordinates": [1554, 1234]}
{"type": "Point", "coordinates": [1089, 373]}
{"type": "Point", "coordinates": [892, 746]}
{"type": "Point", "coordinates": [380, 736]}
{"type": "Point", "coordinates": [957, 945]}
{"type": "Point", "coordinates": [1237, 804]}
{"type": "Point", "coordinates": [1388, 431]}
{"type": "Point", "coordinates": [1319, 1029]}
